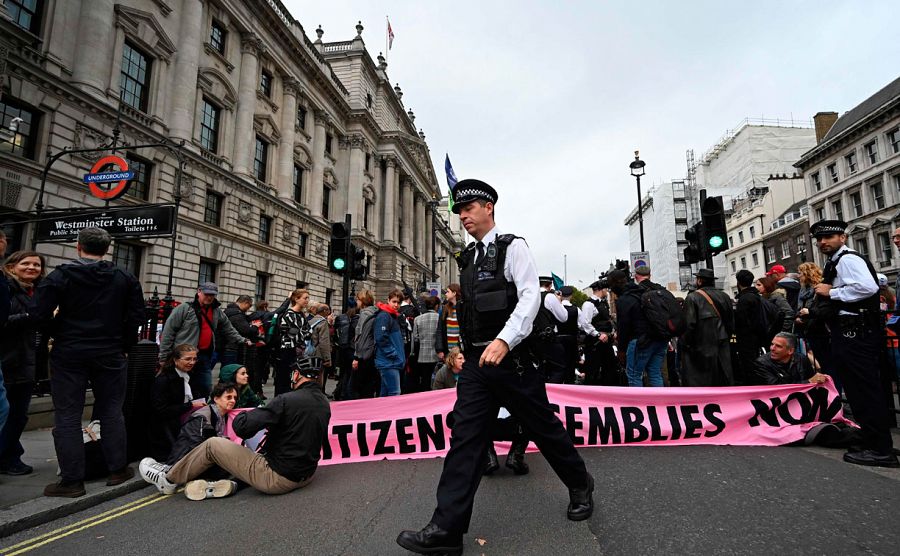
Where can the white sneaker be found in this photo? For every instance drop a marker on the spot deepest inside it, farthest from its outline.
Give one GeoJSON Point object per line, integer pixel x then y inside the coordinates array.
{"type": "Point", "coordinates": [201, 490]}
{"type": "Point", "coordinates": [155, 473]}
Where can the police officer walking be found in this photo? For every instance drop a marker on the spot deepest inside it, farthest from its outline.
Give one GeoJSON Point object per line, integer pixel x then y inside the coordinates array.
{"type": "Point", "coordinates": [854, 317]}
{"type": "Point", "coordinates": [499, 301]}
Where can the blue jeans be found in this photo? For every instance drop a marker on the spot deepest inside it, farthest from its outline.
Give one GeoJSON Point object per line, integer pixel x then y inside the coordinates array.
{"type": "Point", "coordinates": [390, 382]}
{"type": "Point", "coordinates": [649, 358]}
{"type": "Point", "coordinates": [201, 375]}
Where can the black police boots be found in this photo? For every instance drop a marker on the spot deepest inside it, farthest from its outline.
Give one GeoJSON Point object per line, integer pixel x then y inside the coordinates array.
{"type": "Point", "coordinates": [515, 460]}
{"type": "Point", "coordinates": [581, 502]}
{"type": "Point", "coordinates": [431, 540]}
{"type": "Point", "coordinates": [493, 463]}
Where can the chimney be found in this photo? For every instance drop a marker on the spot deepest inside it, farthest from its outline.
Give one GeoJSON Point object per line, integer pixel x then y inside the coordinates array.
{"type": "Point", "coordinates": [824, 121]}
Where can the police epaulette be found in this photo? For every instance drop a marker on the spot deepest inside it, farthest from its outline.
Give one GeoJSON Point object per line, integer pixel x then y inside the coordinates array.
{"type": "Point", "coordinates": [508, 238]}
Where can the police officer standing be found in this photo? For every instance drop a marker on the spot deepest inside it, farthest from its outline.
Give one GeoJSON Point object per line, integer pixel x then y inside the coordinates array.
{"type": "Point", "coordinates": [550, 315]}
{"type": "Point", "coordinates": [568, 334]}
{"type": "Point", "coordinates": [854, 317]}
{"type": "Point", "coordinates": [601, 366]}
{"type": "Point", "coordinates": [499, 301]}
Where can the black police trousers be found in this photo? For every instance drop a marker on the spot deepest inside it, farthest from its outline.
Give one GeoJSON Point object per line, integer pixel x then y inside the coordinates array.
{"type": "Point", "coordinates": [855, 356]}
{"type": "Point", "coordinates": [479, 394]}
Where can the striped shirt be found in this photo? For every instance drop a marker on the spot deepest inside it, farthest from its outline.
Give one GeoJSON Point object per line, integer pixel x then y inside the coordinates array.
{"type": "Point", "coordinates": [452, 329]}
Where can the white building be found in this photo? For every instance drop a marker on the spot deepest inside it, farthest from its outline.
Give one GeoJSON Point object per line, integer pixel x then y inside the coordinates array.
{"type": "Point", "coordinates": [282, 136]}
{"type": "Point", "coordinates": [665, 217]}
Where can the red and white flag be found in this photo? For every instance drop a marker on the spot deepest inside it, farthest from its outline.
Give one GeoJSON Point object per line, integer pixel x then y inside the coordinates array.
{"type": "Point", "coordinates": [390, 33]}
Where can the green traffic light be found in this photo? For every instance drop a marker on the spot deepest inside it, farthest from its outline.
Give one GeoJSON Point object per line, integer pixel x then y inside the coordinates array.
{"type": "Point", "coordinates": [715, 242]}
{"type": "Point", "coordinates": [339, 264]}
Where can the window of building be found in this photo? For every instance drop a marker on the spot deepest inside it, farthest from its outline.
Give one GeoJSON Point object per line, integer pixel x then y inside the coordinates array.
{"type": "Point", "coordinates": [838, 209]}
{"type": "Point", "coordinates": [301, 117]}
{"type": "Point", "coordinates": [302, 242]}
{"type": "Point", "coordinates": [26, 14]}
{"type": "Point", "coordinates": [884, 246]}
{"type": "Point", "coordinates": [877, 191]}
{"type": "Point", "coordinates": [368, 161]}
{"type": "Point", "coordinates": [770, 254]}
{"type": "Point", "coordinates": [260, 159]}
{"type": "Point", "coordinates": [801, 244]}
{"type": "Point", "coordinates": [685, 275]}
{"type": "Point", "coordinates": [262, 285]}
{"type": "Point", "coordinates": [127, 256]}
{"type": "Point", "coordinates": [743, 263]}
{"type": "Point", "coordinates": [851, 162]}
{"type": "Point", "coordinates": [265, 228]}
{"type": "Point", "coordinates": [367, 211]}
{"type": "Point", "coordinates": [328, 144]}
{"type": "Point", "coordinates": [212, 213]}
{"type": "Point", "coordinates": [140, 185]}
{"type": "Point", "coordinates": [680, 210]}
{"type": "Point", "coordinates": [862, 245]}
{"type": "Point", "coordinates": [817, 181]}
{"type": "Point", "coordinates": [893, 138]}
{"type": "Point", "coordinates": [217, 36]}
{"type": "Point", "coordinates": [23, 140]}
{"type": "Point", "coordinates": [730, 239]}
{"type": "Point", "coordinates": [741, 236]}
{"type": "Point", "coordinates": [265, 83]}
{"type": "Point", "coordinates": [326, 202]}
{"type": "Point", "coordinates": [329, 296]}
{"type": "Point", "coordinates": [368, 100]}
{"type": "Point", "coordinates": [680, 228]}
{"type": "Point", "coordinates": [785, 249]}
{"type": "Point", "coordinates": [209, 126]}
{"type": "Point", "coordinates": [755, 257]}
{"type": "Point", "coordinates": [135, 77]}
{"type": "Point", "coordinates": [872, 152]}
{"type": "Point", "coordinates": [856, 203]}
{"type": "Point", "coordinates": [752, 232]}
{"type": "Point", "coordinates": [833, 172]}
{"type": "Point", "coordinates": [733, 266]}
{"type": "Point", "coordinates": [820, 213]}
{"type": "Point", "coordinates": [207, 272]}
{"type": "Point", "coordinates": [297, 181]}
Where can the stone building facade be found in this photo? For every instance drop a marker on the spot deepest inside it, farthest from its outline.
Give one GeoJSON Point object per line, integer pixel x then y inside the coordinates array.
{"type": "Point", "coordinates": [853, 174]}
{"type": "Point", "coordinates": [282, 135]}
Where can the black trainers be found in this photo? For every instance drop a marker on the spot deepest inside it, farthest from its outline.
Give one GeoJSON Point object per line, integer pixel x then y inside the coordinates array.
{"type": "Point", "coordinates": [65, 489]}
{"type": "Point", "coordinates": [16, 468]}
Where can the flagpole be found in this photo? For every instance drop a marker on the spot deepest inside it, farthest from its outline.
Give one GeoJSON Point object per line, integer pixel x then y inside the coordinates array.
{"type": "Point", "coordinates": [565, 269]}
{"type": "Point", "coordinates": [387, 24]}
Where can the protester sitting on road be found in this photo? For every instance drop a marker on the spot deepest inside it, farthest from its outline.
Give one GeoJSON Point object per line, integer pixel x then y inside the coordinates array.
{"type": "Point", "coordinates": [297, 424]}
{"type": "Point", "coordinates": [783, 365]}
{"type": "Point", "coordinates": [448, 374]}
{"type": "Point", "coordinates": [24, 351]}
{"type": "Point", "coordinates": [171, 398]}
{"type": "Point", "coordinates": [207, 422]}
{"type": "Point", "coordinates": [238, 375]}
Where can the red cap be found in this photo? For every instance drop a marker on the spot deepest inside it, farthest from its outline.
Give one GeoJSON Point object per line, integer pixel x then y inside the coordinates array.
{"type": "Point", "coordinates": [777, 269]}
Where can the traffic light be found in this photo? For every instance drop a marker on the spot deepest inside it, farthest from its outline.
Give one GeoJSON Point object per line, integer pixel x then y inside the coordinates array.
{"type": "Point", "coordinates": [713, 213]}
{"type": "Point", "coordinates": [358, 270]}
{"type": "Point", "coordinates": [338, 255]}
{"type": "Point", "coordinates": [696, 249]}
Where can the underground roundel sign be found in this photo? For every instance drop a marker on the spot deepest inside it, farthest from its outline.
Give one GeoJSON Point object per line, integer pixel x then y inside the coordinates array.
{"type": "Point", "coordinates": [108, 185]}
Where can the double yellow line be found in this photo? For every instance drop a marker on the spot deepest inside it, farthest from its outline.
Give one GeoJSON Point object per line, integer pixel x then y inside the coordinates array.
{"type": "Point", "coordinates": [62, 532]}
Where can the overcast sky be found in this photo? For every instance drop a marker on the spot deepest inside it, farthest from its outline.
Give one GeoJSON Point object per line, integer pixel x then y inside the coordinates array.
{"type": "Point", "coordinates": [547, 101]}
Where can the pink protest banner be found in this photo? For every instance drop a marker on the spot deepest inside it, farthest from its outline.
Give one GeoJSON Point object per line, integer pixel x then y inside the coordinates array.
{"type": "Point", "coordinates": [414, 426]}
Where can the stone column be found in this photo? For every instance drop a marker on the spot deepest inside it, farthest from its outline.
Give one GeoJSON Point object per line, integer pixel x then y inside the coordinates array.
{"type": "Point", "coordinates": [429, 229]}
{"type": "Point", "coordinates": [355, 202]}
{"type": "Point", "coordinates": [388, 203]}
{"type": "Point", "coordinates": [285, 181]}
{"type": "Point", "coordinates": [316, 180]}
{"type": "Point", "coordinates": [184, 83]}
{"type": "Point", "coordinates": [418, 231]}
{"type": "Point", "coordinates": [408, 222]}
{"type": "Point", "coordinates": [251, 47]}
{"type": "Point", "coordinates": [95, 37]}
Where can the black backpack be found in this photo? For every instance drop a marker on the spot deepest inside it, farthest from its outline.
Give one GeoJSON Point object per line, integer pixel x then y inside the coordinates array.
{"type": "Point", "coordinates": [771, 319]}
{"type": "Point", "coordinates": [665, 318]}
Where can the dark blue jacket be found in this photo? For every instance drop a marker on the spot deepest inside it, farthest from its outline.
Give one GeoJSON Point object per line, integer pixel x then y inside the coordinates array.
{"type": "Point", "coordinates": [389, 352]}
{"type": "Point", "coordinates": [100, 308]}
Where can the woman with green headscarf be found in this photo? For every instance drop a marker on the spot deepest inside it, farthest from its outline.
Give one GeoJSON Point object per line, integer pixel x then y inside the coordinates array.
{"type": "Point", "coordinates": [238, 375]}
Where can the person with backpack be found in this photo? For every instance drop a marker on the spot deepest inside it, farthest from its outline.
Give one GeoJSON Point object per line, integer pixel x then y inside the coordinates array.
{"type": "Point", "coordinates": [644, 351]}
{"type": "Point", "coordinates": [291, 336]}
{"type": "Point", "coordinates": [321, 339]}
{"type": "Point", "coordinates": [749, 329]}
{"type": "Point", "coordinates": [769, 289]}
{"type": "Point", "coordinates": [710, 322]}
{"type": "Point", "coordinates": [364, 378]}
{"type": "Point", "coordinates": [345, 332]}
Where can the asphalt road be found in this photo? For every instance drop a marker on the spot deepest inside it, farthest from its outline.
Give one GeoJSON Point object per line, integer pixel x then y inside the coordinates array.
{"type": "Point", "coordinates": [675, 500]}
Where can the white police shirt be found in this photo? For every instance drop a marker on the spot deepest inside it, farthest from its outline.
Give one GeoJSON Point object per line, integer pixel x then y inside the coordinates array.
{"type": "Point", "coordinates": [586, 315]}
{"type": "Point", "coordinates": [520, 269]}
{"type": "Point", "coordinates": [853, 282]}
{"type": "Point", "coordinates": [554, 305]}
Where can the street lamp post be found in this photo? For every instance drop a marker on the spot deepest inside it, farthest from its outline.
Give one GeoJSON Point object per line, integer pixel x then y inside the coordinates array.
{"type": "Point", "coordinates": [433, 204]}
{"type": "Point", "coordinates": [637, 170]}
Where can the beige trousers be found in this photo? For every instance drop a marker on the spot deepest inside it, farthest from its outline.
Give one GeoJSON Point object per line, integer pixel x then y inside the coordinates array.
{"type": "Point", "coordinates": [245, 465]}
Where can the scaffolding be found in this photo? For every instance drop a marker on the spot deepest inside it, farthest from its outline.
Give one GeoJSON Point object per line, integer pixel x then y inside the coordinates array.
{"type": "Point", "coordinates": [730, 134]}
